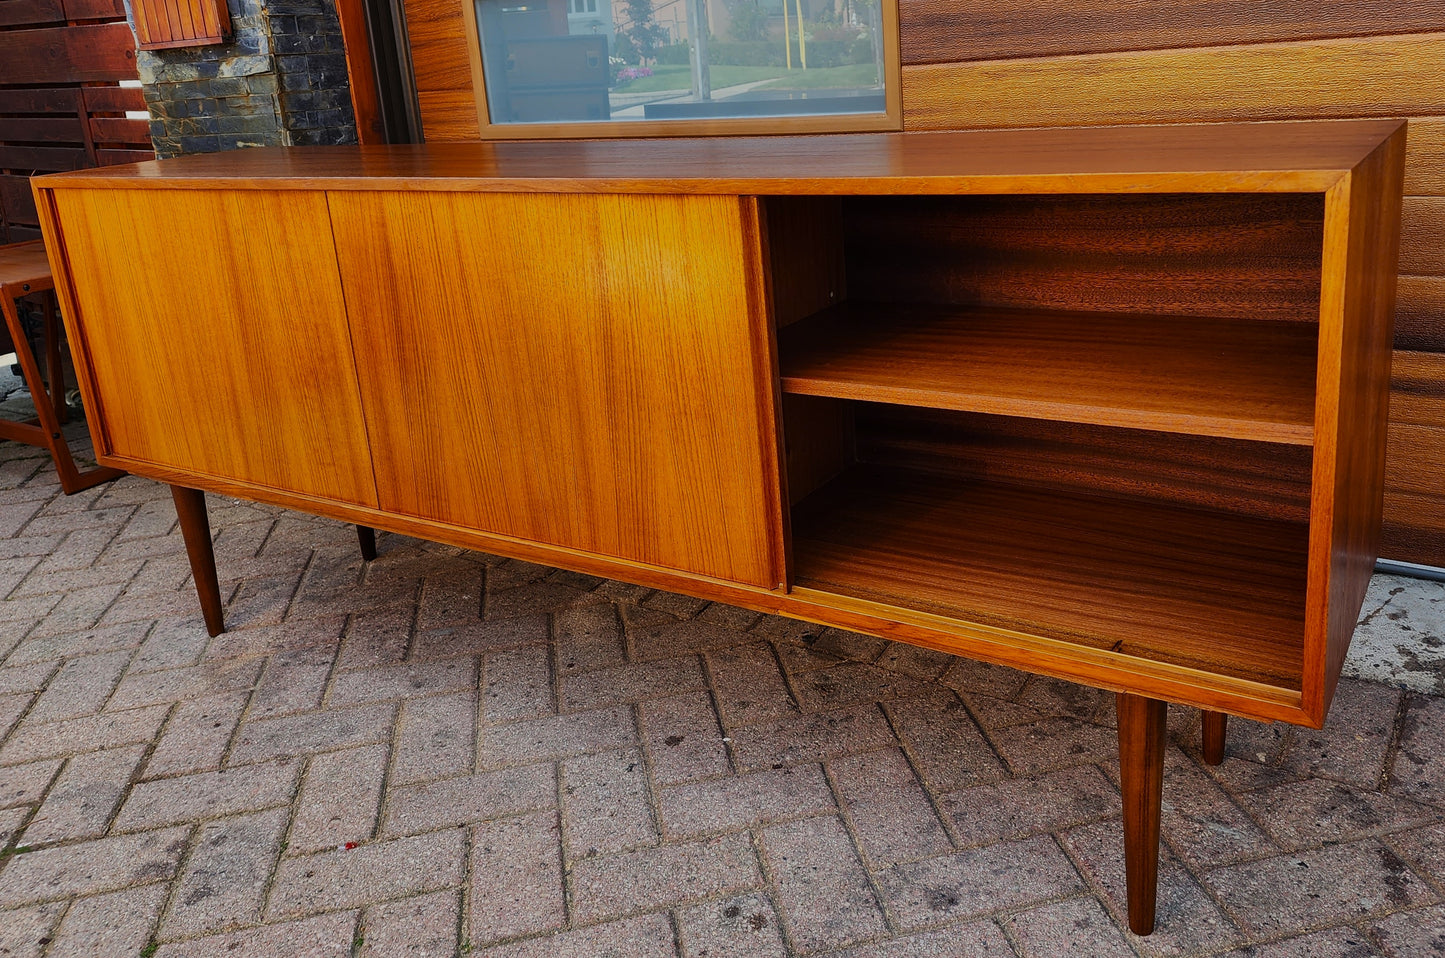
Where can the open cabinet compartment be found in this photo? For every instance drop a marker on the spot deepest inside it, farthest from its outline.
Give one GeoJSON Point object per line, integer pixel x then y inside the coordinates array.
{"type": "Point", "coordinates": [1084, 418]}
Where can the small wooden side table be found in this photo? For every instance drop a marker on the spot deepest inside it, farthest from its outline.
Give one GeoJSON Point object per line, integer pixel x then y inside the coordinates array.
{"type": "Point", "coordinates": [24, 271]}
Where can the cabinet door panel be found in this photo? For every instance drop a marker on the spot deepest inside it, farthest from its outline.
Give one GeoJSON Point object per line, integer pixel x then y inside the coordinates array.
{"type": "Point", "coordinates": [217, 331]}
{"type": "Point", "coordinates": [584, 371]}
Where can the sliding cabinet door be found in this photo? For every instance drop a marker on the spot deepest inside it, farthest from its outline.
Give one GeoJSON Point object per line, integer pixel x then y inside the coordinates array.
{"type": "Point", "coordinates": [590, 372]}
{"type": "Point", "coordinates": [213, 331]}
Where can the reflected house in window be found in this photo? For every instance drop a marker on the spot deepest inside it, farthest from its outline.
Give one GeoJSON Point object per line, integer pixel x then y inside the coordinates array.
{"type": "Point", "coordinates": [560, 61]}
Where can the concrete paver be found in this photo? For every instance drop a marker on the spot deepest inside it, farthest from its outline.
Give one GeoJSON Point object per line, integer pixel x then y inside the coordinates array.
{"type": "Point", "coordinates": [445, 753]}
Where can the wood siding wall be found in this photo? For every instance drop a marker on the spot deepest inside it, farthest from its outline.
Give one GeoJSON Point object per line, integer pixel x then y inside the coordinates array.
{"type": "Point", "coordinates": [1029, 63]}
{"type": "Point", "coordinates": [61, 105]}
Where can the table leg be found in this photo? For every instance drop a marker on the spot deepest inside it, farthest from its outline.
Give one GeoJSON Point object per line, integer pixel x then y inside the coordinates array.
{"type": "Point", "coordinates": [1214, 728]}
{"type": "Point", "coordinates": [54, 367]}
{"type": "Point", "coordinates": [47, 435]}
{"type": "Point", "coordinates": [366, 535]}
{"type": "Point", "coordinates": [1142, 727]}
{"type": "Point", "coordinates": [196, 530]}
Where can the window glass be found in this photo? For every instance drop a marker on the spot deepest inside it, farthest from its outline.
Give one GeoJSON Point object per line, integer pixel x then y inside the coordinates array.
{"type": "Point", "coordinates": [550, 61]}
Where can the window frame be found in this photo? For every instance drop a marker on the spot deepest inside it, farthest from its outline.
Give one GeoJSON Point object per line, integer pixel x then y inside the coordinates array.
{"type": "Point", "coordinates": [891, 119]}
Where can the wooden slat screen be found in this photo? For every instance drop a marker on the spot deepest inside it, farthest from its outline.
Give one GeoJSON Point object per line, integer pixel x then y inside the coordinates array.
{"type": "Point", "coordinates": [161, 24]}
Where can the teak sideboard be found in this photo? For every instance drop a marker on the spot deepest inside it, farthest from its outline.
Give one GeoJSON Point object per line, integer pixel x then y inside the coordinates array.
{"type": "Point", "coordinates": [1103, 404]}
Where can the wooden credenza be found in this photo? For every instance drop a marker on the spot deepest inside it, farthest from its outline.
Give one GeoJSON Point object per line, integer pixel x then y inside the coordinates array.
{"type": "Point", "coordinates": [1104, 404]}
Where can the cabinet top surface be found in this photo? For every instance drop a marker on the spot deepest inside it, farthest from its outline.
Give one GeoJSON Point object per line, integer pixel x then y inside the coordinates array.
{"type": "Point", "coordinates": [1303, 156]}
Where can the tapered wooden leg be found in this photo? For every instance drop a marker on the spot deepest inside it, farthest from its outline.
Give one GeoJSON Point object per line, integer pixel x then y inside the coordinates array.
{"type": "Point", "coordinates": [1142, 726]}
{"type": "Point", "coordinates": [196, 529]}
{"type": "Point", "coordinates": [1214, 726]}
{"type": "Point", "coordinates": [366, 535]}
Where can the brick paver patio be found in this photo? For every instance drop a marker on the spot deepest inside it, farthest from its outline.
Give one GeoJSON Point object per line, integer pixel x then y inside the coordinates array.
{"type": "Point", "coordinates": [446, 752]}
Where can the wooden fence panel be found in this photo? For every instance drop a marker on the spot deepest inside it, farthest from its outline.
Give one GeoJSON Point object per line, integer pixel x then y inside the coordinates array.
{"type": "Point", "coordinates": [116, 129]}
{"type": "Point", "coordinates": [28, 129]}
{"type": "Point", "coordinates": [15, 13]}
{"type": "Point", "coordinates": [17, 203]}
{"type": "Point", "coordinates": [82, 54]}
{"type": "Point", "coordinates": [46, 116]}
{"type": "Point", "coordinates": [113, 99]}
{"type": "Point", "coordinates": [94, 10]}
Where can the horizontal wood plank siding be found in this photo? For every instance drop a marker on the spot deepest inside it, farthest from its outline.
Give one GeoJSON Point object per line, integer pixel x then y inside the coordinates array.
{"type": "Point", "coordinates": [935, 31]}
{"type": "Point", "coordinates": [1374, 76]}
{"type": "Point", "coordinates": [1422, 236]}
{"type": "Point", "coordinates": [1420, 313]}
{"type": "Point", "coordinates": [1414, 487]}
{"type": "Point", "coordinates": [1425, 157]}
{"type": "Point", "coordinates": [441, 62]}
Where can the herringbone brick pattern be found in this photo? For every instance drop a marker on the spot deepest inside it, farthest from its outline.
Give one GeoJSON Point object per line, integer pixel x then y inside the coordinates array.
{"type": "Point", "coordinates": [445, 752]}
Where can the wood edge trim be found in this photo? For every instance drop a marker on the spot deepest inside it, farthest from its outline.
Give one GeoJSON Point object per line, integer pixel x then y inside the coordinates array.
{"type": "Point", "coordinates": [1045, 656]}
{"type": "Point", "coordinates": [360, 72]}
{"type": "Point", "coordinates": [1328, 371]}
{"type": "Point", "coordinates": [351, 350]}
{"type": "Point", "coordinates": [1283, 433]}
{"type": "Point", "coordinates": [762, 331]}
{"type": "Point", "coordinates": [1247, 181]}
{"type": "Point", "coordinates": [818, 124]}
{"type": "Point", "coordinates": [59, 256]}
{"type": "Point", "coordinates": [1098, 667]}
{"type": "Point", "coordinates": [472, 31]}
{"type": "Point", "coordinates": [893, 64]}
{"type": "Point", "coordinates": [890, 120]}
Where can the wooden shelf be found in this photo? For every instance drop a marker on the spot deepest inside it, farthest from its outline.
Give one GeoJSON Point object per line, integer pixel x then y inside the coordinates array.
{"type": "Point", "coordinates": [1208, 590]}
{"type": "Point", "coordinates": [1239, 379]}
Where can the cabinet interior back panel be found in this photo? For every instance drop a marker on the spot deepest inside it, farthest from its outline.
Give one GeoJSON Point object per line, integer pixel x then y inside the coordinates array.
{"type": "Point", "coordinates": [1254, 256]}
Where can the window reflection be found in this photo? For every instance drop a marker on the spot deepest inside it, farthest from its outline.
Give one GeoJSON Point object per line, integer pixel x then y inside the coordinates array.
{"type": "Point", "coordinates": [579, 60]}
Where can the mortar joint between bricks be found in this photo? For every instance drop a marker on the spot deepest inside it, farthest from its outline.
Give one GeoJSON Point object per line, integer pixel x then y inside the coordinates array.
{"type": "Point", "coordinates": [1392, 747]}
{"type": "Point", "coordinates": [845, 815]}
{"type": "Point", "coordinates": [930, 791]}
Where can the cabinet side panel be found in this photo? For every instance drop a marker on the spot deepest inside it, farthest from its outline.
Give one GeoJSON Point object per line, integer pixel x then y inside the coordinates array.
{"type": "Point", "coordinates": [569, 369]}
{"type": "Point", "coordinates": [217, 337]}
{"type": "Point", "coordinates": [1352, 409]}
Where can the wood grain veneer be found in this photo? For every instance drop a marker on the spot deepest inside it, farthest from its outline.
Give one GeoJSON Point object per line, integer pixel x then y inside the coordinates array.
{"type": "Point", "coordinates": [1215, 158]}
{"type": "Point", "coordinates": [589, 381]}
{"type": "Point", "coordinates": [1131, 578]}
{"type": "Point", "coordinates": [1357, 309]}
{"type": "Point", "coordinates": [1252, 256]}
{"type": "Point", "coordinates": [1267, 480]}
{"type": "Point", "coordinates": [226, 359]}
{"type": "Point", "coordinates": [1240, 379]}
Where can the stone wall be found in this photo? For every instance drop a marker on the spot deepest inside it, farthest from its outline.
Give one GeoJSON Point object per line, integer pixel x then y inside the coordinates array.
{"type": "Point", "coordinates": [281, 81]}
